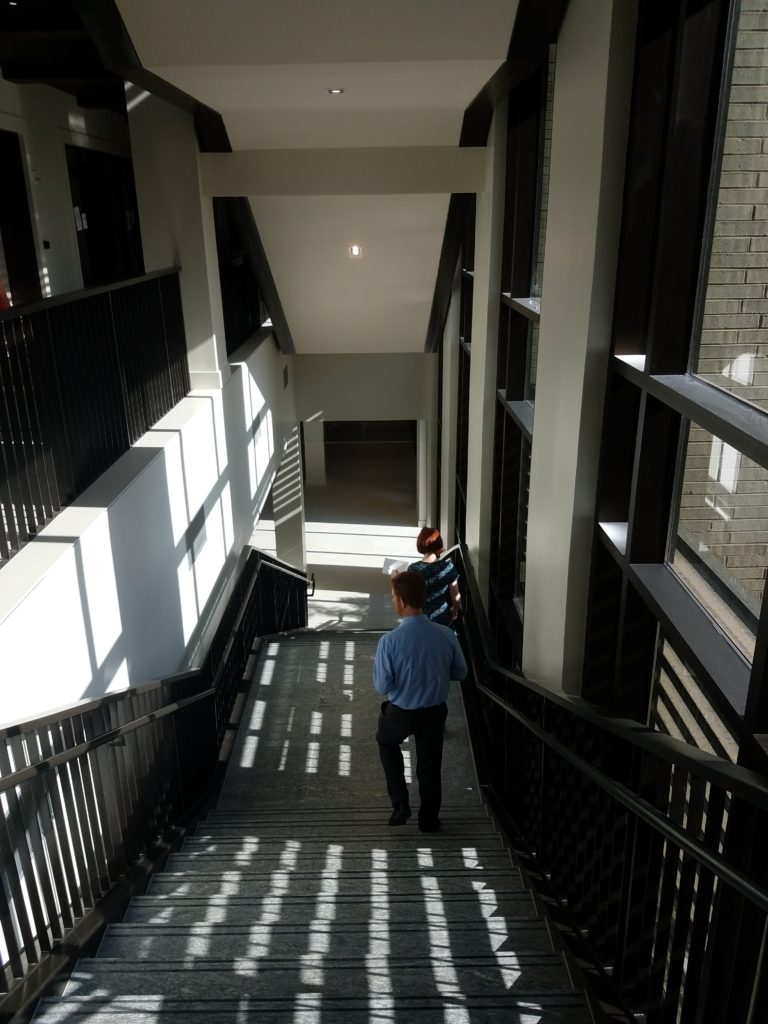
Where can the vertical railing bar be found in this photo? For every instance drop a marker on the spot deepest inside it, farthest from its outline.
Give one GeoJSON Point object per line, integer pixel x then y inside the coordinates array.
{"type": "Point", "coordinates": [46, 853]}
{"type": "Point", "coordinates": [24, 509]}
{"type": "Point", "coordinates": [111, 780]}
{"type": "Point", "coordinates": [45, 385]}
{"type": "Point", "coordinates": [658, 909]}
{"type": "Point", "coordinates": [168, 361]}
{"type": "Point", "coordinates": [38, 939]}
{"type": "Point", "coordinates": [64, 812]}
{"type": "Point", "coordinates": [92, 838]}
{"type": "Point", "coordinates": [683, 902]}
{"type": "Point", "coordinates": [25, 405]}
{"type": "Point", "coordinates": [12, 889]}
{"type": "Point", "coordinates": [8, 536]}
{"type": "Point", "coordinates": [147, 785]}
{"type": "Point", "coordinates": [120, 365]}
{"type": "Point", "coordinates": [69, 468]}
{"type": "Point", "coordinates": [136, 818]}
{"type": "Point", "coordinates": [104, 798]}
{"type": "Point", "coordinates": [705, 890]}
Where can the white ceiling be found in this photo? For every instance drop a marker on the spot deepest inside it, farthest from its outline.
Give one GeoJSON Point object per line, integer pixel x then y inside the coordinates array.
{"type": "Point", "coordinates": [408, 68]}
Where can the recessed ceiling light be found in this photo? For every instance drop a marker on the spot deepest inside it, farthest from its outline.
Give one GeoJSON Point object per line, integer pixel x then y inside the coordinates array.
{"type": "Point", "coordinates": [335, 92]}
{"type": "Point", "coordinates": [355, 250]}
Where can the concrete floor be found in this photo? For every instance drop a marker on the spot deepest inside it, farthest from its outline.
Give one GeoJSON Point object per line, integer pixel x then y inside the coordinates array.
{"type": "Point", "coordinates": [363, 517]}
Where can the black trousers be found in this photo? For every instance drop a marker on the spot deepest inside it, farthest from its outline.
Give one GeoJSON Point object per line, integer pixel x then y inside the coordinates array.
{"type": "Point", "coordinates": [426, 725]}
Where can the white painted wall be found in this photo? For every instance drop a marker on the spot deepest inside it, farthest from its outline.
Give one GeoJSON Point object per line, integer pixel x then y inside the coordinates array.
{"type": "Point", "coordinates": [365, 387]}
{"type": "Point", "coordinates": [177, 226]}
{"type": "Point", "coordinates": [116, 588]}
{"type": "Point", "coordinates": [591, 110]}
{"type": "Point", "coordinates": [46, 120]}
{"type": "Point", "coordinates": [375, 171]}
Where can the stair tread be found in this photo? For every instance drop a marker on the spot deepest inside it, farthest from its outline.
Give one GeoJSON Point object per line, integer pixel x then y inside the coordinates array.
{"type": "Point", "coordinates": [398, 863]}
{"type": "Point", "coordinates": [360, 975]}
{"type": "Point", "coordinates": [377, 833]}
{"type": "Point", "coordinates": [339, 812]}
{"type": "Point", "coordinates": [546, 1008]}
{"type": "Point", "coordinates": [178, 942]}
{"type": "Point", "coordinates": [358, 885]}
{"type": "Point", "coordinates": [491, 843]}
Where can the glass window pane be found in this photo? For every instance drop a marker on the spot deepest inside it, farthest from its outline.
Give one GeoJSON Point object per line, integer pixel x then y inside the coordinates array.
{"type": "Point", "coordinates": [733, 348]}
{"type": "Point", "coordinates": [720, 547]}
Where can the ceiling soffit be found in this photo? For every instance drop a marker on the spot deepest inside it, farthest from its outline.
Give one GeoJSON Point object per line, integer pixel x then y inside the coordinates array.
{"type": "Point", "coordinates": [408, 70]}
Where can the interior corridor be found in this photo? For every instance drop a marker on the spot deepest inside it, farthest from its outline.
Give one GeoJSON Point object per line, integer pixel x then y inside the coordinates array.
{"type": "Point", "coordinates": [364, 514]}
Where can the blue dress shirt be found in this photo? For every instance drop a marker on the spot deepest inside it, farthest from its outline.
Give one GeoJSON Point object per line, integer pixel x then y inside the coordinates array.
{"type": "Point", "coordinates": [416, 661]}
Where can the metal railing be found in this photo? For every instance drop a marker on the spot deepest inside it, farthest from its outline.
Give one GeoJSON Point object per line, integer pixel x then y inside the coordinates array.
{"type": "Point", "coordinates": [655, 851]}
{"type": "Point", "coordinates": [86, 792]}
{"type": "Point", "coordinates": [82, 377]}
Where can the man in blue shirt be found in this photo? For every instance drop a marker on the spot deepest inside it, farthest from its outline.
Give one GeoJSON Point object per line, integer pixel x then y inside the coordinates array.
{"type": "Point", "coordinates": [413, 668]}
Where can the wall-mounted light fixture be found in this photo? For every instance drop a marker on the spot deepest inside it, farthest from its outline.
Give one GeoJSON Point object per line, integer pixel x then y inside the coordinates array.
{"type": "Point", "coordinates": [355, 250]}
{"type": "Point", "coordinates": [336, 92]}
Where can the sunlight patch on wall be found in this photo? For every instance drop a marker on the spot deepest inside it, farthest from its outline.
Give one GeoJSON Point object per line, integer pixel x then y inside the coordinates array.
{"type": "Point", "coordinates": [187, 598]}
{"type": "Point", "coordinates": [101, 600]}
{"type": "Point", "coordinates": [120, 680]}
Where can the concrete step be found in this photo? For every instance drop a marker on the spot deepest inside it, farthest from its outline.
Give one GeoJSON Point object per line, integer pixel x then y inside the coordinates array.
{"type": "Point", "coordinates": [309, 1008]}
{"type": "Point", "coordinates": [249, 845]}
{"type": "Point", "coordinates": [340, 814]}
{"type": "Point", "coordinates": [527, 974]}
{"type": "Point", "coordinates": [306, 861]}
{"type": "Point", "coordinates": [228, 941]}
{"type": "Point", "coordinates": [342, 882]}
{"type": "Point", "coordinates": [374, 832]}
{"type": "Point", "coordinates": [509, 906]}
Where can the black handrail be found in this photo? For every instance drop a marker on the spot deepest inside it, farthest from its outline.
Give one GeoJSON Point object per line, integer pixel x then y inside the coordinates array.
{"type": "Point", "coordinates": [740, 780]}
{"type": "Point", "coordinates": [642, 809]}
{"type": "Point", "coordinates": [653, 850]}
{"type": "Point", "coordinates": [89, 791]}
{"type": "Point", "coordinates": [46, 764]}
{"type": "Point", "coordinates": [82, 377]}
{"type": "Point", "coordinates": [64, 298]}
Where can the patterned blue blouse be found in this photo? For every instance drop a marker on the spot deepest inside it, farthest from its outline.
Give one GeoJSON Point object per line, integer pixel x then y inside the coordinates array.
{"type": "Point", "coordinates": [439, 576]}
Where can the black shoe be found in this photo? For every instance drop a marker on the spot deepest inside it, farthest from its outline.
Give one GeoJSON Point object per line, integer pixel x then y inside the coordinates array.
{"type": "Point", "coordinates": [400, 814]}
{"type": "Point", "coordinates": [429, 826]}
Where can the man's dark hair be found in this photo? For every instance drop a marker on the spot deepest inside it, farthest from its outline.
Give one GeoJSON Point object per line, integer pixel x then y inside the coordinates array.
{"type": "Point", "coordinates": [410, 587]}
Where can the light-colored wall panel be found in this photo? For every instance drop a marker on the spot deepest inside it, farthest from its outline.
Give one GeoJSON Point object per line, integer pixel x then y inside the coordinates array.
{"type": "Point", "coordinates": [120, 582]}
{"type": "Point", "coordinates": [403, 170]}
{"type": "Point", "coordinates": [365, 387]}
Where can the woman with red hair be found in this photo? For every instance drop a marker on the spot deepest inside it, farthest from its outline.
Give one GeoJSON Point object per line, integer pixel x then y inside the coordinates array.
{"type": "Point", "coordinates": [441, 576]}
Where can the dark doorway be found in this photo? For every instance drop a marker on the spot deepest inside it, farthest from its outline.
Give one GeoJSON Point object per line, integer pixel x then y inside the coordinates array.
{"type": "Point", "coordinates": [367, 452]}
{"type": "Point", "coordinates": [23, 273]}
{"type": "Point", "coordinates": [106, 216]}
{"type": "Point", "coordinates": [373, 463]}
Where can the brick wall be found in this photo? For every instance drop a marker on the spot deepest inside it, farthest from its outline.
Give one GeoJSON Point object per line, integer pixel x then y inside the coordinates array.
{"type": "Point", "coordinates": [724, 505]}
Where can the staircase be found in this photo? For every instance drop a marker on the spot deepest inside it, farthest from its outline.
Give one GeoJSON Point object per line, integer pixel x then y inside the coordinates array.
{"type": "Point", "coordinates": [295, 901]}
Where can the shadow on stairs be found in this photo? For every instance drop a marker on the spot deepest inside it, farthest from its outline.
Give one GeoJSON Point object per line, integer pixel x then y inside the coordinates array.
{"type": "Point", "coordinates": [295, 901]}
